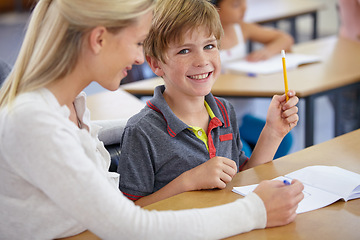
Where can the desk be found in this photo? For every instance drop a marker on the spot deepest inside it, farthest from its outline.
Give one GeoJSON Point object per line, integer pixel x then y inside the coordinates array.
{"type": "Point", "coordinates": [113, 105]}
{"type": "Point", "coordinates": [338, 221]}
{"type": "Point", "coordinates": [339, 70]}
{"type": "Point", "coordinates": [272, 11]}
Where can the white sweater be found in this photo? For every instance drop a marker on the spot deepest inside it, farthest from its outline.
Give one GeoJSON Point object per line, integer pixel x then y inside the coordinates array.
{"type": "Point", "coordinates": [55, 183]}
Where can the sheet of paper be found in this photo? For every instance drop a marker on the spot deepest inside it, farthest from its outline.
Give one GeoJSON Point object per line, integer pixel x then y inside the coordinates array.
{"type": "Point", "coordinates": [271, 65]}
{"type": "Point", "coordinates": [329, 178]}
{"type": "Point", "coordinates": [313, 198]}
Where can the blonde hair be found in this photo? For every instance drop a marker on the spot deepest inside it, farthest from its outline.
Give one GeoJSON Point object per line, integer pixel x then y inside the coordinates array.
{"type": "Point", "coordinates": [54, 38]}
{"type": "Point", "coordinates": [172, 19]}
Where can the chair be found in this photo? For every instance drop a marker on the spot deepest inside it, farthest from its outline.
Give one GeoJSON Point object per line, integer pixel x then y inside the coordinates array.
{"type": "Point", "coordinates": [250, 130]}
{"type": "Point", "coordinates": [111, 135]}
{"type": "Point", "coordinates": [111, 132]}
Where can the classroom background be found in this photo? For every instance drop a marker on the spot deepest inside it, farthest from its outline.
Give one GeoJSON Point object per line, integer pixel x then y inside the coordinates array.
{"type": "Point", "coordinates": [13, 21]}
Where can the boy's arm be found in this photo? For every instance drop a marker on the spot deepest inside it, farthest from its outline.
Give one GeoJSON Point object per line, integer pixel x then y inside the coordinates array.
{"type": "Point", "coordinates": [281, 118]}
{"type": "Point", "coordinates": [214, 173]}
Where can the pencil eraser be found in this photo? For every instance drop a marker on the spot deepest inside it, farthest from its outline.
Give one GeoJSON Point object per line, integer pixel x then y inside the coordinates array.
{"type": "Point", "coordinates": [283, 53]}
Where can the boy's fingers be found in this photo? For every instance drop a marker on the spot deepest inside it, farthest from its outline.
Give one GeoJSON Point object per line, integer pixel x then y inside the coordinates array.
{"type": "Point", "coordinates": [225, 177]}
{"type": "Point", "coordinates": [229, 163]}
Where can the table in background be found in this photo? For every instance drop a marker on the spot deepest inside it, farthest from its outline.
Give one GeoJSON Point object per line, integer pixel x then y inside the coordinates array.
{"type": "Point", "coordinates": [272, 11]}
{"type": "Point", "coordinates": [113, 105]}
{"type": "Point", "coordinates": [338, 221]}
{"type": "Point", "coordinates": [339, 70]}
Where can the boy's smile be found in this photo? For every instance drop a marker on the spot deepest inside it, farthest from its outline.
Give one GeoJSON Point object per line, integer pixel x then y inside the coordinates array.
{"type": "Point", "coordinates": [192, 65]}
{"type": "Point", "coordinates": [200, 76]}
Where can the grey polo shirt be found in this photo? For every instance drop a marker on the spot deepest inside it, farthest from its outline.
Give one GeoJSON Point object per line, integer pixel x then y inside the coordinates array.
{"type": "Point", "coordinates": [157, 146]}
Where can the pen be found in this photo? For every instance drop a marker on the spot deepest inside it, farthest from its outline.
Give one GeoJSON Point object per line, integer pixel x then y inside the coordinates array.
{"type": "Point", "coordinates": [286, 182]}
{"type": "Point", "coordinates": [285, 74]}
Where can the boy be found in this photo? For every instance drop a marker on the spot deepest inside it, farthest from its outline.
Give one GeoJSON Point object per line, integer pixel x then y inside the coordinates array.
{"type": "Point", "coordinates": [187, 139]}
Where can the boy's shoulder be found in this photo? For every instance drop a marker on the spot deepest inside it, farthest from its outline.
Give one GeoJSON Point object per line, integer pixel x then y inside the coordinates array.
{"type": "Point", "coordinates": [145, 116]}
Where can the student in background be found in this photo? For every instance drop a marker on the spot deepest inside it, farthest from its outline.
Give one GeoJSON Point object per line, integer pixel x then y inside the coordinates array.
{"type": "Point", "coordinates": [349, 11]}
{"type": "Point", "coordinates": [54, 170]}
{"type": "Point", "coordinates": [185, 138]}
{"type": "Point", "coordinates": [233, 47]}
{"type": "Point", "coordinates": [237, 33]}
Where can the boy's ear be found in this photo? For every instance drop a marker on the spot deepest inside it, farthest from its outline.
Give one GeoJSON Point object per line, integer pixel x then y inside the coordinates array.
{"type": "Point", "coordinates": [155, 66]}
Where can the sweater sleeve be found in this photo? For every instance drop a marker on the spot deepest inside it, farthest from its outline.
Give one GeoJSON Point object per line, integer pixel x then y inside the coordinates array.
{"type": "Point", "coordinates": [73, 189]}
{"type": "Point", "coordinates": [218, 222]}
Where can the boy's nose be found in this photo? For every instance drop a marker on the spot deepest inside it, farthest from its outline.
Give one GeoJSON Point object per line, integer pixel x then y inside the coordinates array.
{"type": "Point", "coordinates": [200, 60]}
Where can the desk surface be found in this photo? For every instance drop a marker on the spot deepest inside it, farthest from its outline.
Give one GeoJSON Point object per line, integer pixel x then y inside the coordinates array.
{"type": "Point", "coordinates": [339, 67]}
{"type": "Point", "coordinates": [113, 105]}
{"type": "Point", "coordinates": [338, 221]}
{"type": "Point", "coordinates": [264, 11]}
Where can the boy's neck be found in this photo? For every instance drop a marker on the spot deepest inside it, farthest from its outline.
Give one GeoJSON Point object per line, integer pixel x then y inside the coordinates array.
{"type": "Point", "coordinates": [191, 111]}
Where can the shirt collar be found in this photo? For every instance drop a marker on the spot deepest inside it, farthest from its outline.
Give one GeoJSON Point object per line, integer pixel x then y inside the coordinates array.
{"type": "Point", "coordinates": [174, 124]}
{"type": "Point", "coordinates": [83, 113]}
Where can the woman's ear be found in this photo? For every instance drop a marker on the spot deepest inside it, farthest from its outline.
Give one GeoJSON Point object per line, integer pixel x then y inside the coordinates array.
{"type": "Point", "coordinates": [97, 39]}
{"type": "Point", "coordinates": [155, 66]}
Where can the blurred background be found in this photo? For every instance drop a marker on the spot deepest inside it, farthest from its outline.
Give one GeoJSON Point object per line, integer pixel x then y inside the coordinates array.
{"type": "Point", "coordinates": [14, 15]}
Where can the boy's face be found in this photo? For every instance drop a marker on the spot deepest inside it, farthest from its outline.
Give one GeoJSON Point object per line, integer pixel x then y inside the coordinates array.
{"type": "Point", "coordinates": [191, 67]}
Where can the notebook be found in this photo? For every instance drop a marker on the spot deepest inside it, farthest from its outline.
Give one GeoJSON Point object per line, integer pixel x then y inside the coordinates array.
{"type": "Point", "coordinates": [323, 185]}
{"type": "Point", "coordinates": [271, 65]}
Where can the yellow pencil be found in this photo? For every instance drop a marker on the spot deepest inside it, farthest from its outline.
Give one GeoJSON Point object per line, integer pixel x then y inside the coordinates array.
{"type": "Point", "coordinates": [285, 74]}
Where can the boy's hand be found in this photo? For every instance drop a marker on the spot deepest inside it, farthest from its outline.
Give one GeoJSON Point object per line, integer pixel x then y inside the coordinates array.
{"type": "Point", "coordinates": [280, 200]}
{"type": "Point", "coordinates": [282, 116]}
{"type": "Point", "coordinates": [214, 173]}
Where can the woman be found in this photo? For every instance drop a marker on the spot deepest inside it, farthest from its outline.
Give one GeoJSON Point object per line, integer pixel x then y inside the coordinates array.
{"type": "Point", "coordinates": [53, 171]}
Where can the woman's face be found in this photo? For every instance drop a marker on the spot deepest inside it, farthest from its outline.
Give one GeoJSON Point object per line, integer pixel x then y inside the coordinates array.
{"type": "Point", "coordinates": [121, 51]}
{"type": "Point", "coordinates": [232, 11]}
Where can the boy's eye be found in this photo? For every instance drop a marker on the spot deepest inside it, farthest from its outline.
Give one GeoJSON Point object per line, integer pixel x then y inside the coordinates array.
{"type": "Point", "coordinates": [210, 46]}
{"type": "Point", "coordinates": [184, 51]}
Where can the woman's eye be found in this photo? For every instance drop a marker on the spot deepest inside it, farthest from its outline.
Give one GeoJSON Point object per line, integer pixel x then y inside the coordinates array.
{"type": "Point", "coordinates": [140, 44]}
{"type": "Point", "coordinates": [184, 51]}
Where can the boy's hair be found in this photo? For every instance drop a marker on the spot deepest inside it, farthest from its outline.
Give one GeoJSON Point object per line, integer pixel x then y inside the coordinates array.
{"type": "Point", "coordinates": [172, 19]}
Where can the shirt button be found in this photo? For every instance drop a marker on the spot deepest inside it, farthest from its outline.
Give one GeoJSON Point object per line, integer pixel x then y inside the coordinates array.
{"type": "Point", "coordinates": [199, 133]}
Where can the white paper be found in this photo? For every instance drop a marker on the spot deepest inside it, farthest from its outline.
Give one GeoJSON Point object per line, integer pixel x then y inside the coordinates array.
{"type": "Point", "coordinates": [323, 185]}
{"type": "Point", "coordinates": [271, 65]}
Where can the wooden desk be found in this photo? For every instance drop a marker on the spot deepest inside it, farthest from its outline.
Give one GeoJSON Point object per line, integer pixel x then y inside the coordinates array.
{"type": "Point", "coordinates": [338, 70]}
{"type": "Point", "coordinates": [113, 105]}
{"type": "Point", "coordinates": [338, 221]}
{"type": "Point", "coordinates": [272, 11]}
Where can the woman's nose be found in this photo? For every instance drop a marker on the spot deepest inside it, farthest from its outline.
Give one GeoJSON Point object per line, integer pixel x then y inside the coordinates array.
{"type": "Point", "coordinates": [140, 58]}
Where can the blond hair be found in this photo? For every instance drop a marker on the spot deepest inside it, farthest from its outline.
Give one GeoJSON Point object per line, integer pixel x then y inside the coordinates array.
{"type": "Point", "coordinates": [172, 19]}
{"type": "Point", "coordinates": [54, 38]}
